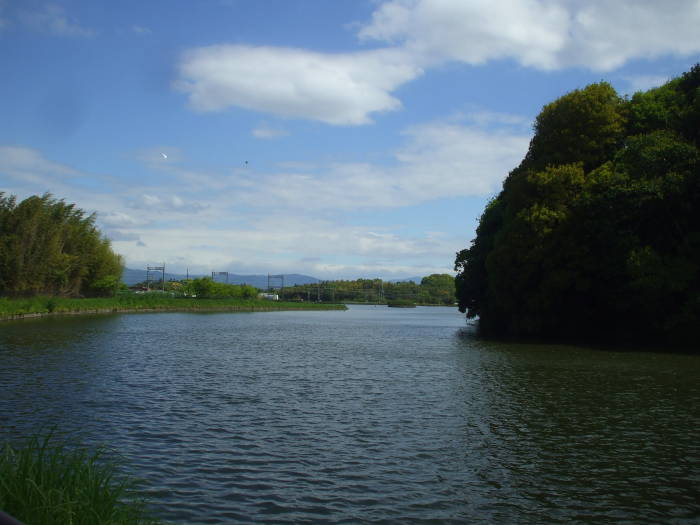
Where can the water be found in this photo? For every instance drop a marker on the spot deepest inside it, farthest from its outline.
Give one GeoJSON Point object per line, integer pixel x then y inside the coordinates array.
{"type": "Point", "coordinates": [371, 415]}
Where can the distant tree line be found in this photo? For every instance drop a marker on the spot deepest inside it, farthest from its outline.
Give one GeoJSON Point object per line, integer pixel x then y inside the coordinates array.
{"type": "Point", "coordinates": [49, 247]}
{"type": "Point", "coordinates": [597, 232]}
{"type": "Point", "coordinates": [433, 289]}
{"type": "Point", "coordinates": [201, 287]}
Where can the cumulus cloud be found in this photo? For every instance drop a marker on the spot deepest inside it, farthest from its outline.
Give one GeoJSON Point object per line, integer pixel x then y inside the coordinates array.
{"type": "Point", "coordinates": [605, 35]}
{"type": "Point", "coordinates": [342, 88]}
{"type": "Point", "coordinates": [472, 32]}
{"type": "Point", "coordinates": [599, 35]}
{"type": "Point", "coordinates": [349, 88]}
{"type": "Point", "coordinates": [52, 19]}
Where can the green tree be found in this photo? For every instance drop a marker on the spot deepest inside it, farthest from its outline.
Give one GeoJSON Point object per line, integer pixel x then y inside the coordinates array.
{"type": "Point", "coordinates": [586, 126]}
{"type": "Point", "coordinates": [597, 231]}
{"type": "Point", "coordinates": [438, 289]}
{"type": "Point", "coordinates": [53, 248]}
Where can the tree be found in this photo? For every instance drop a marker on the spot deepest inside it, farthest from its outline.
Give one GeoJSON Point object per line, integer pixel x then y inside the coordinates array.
{"type": "Point", "coordinates": [53, 248]}
{"type": "Point", "coordinates": [438, 289]}
{"type": "Point", "coordinates": [585, 126]}
{"type": "Point", "coordinates": [596, 232]}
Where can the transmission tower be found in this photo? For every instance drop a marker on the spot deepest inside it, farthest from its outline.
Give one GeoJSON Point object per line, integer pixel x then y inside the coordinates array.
{"type": "Point", "coordinates": [214, 274]}
{"type": "Point", "coordinates": [272, 278]}
{"type": "Point", "coordinates": [150, 269]}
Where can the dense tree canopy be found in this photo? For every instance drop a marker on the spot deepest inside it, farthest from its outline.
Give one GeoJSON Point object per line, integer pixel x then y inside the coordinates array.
{"type": "Point", "coordinates": [49, 247]}
{"type": "Point", "coordinates": [597, 232]}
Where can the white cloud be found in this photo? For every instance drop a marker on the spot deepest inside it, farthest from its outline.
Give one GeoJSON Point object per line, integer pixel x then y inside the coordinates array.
{"type": "Point", "coordinates": [605, 35]}
{"type": "Point", "coordinates": [119, 219]}
{"type": "Point", "coordinates": [473, 32]}
{"type": "Point", "coordinates": [597, 34]}
{"type": "Point", "coordinates": [29, 166]}
{"type": "Point", "coordinates": [52, 19]}
{"type": "Point", "coordinates": [273, 245]}
{"type": "Point", "coordinates": [349, 88]}
{"type": "Point", "coordinates": [342, 89]}
{"type": "Point", "coordinates": [265, 131]}
{"type": "Point", "coordinates": [644, 82]}
{"type": "Point", "coordinates": [167, 203]}
{"type": "Point", "coordinates": [439, 160]}
{"type": "Point", "coordinates": [257, 221]}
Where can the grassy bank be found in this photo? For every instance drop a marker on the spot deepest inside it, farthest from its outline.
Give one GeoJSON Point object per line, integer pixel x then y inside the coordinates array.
{"type": "Point", "coordinates": [10, 308]}
{"type": "Point", "coordinates": [43, 482]}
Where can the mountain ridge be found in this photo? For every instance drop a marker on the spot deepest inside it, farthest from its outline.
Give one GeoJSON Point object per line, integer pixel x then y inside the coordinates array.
{"type": "Point", "coordinates": [132, 276]}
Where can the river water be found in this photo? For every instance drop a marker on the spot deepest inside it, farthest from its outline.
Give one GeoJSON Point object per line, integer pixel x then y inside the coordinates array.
{"type": "Point", "coordinates": [372, 415]}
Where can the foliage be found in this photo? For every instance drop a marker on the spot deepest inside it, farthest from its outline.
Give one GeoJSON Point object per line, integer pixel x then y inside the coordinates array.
{"type": "Point", "coordinates": [401, 303]}
{"type": "Point", "coordinates": [138, 301]}
{"type": "Point", "coordinates": [50, 247]}
{"type": "Point", "coordinates": [586, 126]}
{"type": "Point", "coordinates": [434, 289]}
{"type": "Point", "coordinates": [437, 289]}
{"type": "Point", "coordinates": [44, 482]}
{"type": "Point", "coordinates": [596, 233]}
{"type": "Point", "coordinates": [208, 288]}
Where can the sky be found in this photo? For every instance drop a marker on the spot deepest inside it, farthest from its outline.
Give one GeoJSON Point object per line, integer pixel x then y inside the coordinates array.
{"type": "Point", "coordinates": [340, 139]}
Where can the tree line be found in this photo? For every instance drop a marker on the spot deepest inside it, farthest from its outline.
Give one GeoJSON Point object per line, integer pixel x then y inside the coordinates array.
{"type": "Point", "coordinates": [48, 247]}
{"type": "Point", "coordinates": [433, 289]}
{"type": "Point", "coordinates": [202, 287]}
{"type": "Point", "coordinates": [597, 232]}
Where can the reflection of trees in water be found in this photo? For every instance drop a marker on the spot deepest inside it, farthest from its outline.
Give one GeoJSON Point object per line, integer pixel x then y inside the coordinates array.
{"type": "Point", "coordinates": [605, 435]}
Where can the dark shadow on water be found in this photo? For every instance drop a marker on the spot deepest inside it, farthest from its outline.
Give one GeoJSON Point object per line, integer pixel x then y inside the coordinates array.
{"type": "Point", "coordinates": [472, 332]}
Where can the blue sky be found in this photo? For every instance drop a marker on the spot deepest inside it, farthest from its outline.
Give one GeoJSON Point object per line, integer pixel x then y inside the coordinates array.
{"type": "Point", "coordinates": [336, 138]}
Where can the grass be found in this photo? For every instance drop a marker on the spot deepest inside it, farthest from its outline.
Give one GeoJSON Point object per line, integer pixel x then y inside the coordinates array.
{"type": "Point", "coordinates": [43, 482]}
{"type": "Point", "coordinates": [144, 302]}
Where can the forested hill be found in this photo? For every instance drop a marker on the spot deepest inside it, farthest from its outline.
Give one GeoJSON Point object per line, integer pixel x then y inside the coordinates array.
{"type": "Point", "coordinates": [596, 234]}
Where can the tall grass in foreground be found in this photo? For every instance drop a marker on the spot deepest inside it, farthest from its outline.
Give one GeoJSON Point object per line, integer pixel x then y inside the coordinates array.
{"type": "Point", "coordinates": [46, 483]}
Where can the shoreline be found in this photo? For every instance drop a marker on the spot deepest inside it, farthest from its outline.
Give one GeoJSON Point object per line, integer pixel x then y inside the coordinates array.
{"type": "Point", "coordinates": [221, 308]}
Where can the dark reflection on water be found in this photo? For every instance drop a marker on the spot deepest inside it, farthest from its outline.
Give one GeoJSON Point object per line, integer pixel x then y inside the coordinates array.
{"type": "Point", "coordinates": [369, 415]}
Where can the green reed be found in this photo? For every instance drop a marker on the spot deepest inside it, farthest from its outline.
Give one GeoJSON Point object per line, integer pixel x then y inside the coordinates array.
{"type": "Point", "coordinates": [44, 482]}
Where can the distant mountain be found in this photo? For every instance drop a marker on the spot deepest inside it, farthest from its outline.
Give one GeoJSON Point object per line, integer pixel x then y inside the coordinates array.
{"type": "Point", "coordinates": [132, 276]}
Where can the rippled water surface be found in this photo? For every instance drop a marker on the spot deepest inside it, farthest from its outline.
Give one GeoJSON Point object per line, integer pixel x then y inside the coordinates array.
{"type": "Point", "coordinates": [369, 415]}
